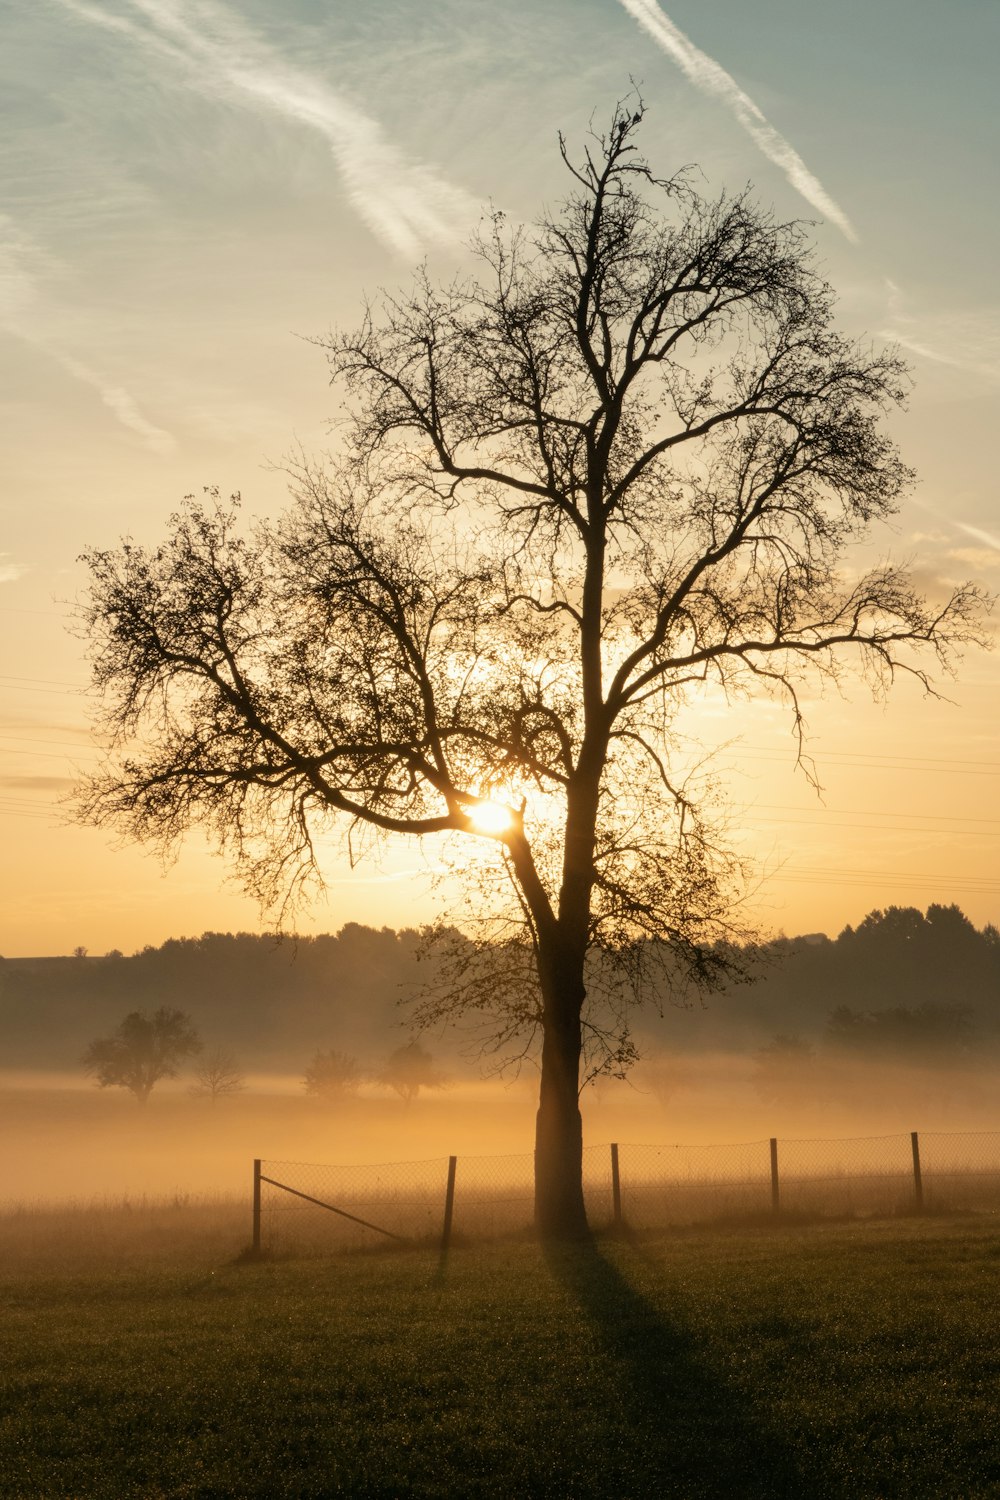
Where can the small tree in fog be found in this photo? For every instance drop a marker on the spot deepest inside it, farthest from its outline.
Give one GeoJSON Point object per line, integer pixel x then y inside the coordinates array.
{"type": "Point", "coordinates": [332, 1074]}
{"type": "Point", "coordinates": [218, 1077]}
{"type": "Point", "coordinates": [410, 1069]}
{"type": "Point", "coordinates": [142, 1050]}
{"type": "Point", "coordinates": [785, 1071]}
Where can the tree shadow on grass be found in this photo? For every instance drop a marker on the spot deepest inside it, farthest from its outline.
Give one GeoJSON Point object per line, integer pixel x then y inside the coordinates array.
{"type": "Point", "coordinates": [692, 1434]}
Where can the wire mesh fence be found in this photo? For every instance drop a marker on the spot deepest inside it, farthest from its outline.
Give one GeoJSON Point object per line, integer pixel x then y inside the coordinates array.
{"type": "Point", "coordinates": [304, 1207]}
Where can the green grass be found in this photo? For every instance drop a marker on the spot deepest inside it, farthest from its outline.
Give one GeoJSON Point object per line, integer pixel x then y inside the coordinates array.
{"type": "Point", "coordinates": [832, 1360]}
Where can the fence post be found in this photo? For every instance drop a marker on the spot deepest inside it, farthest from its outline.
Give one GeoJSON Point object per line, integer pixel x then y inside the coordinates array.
{"type": "Point", "coordinates": [256, 1205]}
{"type": "Point", "coordinates": [918, 1182]}
{"type": "Point", "coordinates": [449, 1204]}
{"type": "Point", "coordinates": [775, 1191]}
{"type": "Point", "coordinates": [616, 1187]}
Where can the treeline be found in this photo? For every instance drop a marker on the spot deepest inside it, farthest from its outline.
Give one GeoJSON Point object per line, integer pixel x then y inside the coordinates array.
{"type": "Point", "coordinates": [903, 982]}
{"type": "Point", "coordinates": [275, 1002]}
{"type": "Point", "coordinates": [931, 977]}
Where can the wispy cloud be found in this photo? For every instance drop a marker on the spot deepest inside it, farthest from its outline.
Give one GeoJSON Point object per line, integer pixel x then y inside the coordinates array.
{"type": "Point", "coordinates": [119, 402]}
{"type": "Point", "coordinates": [404, 203]}
{"type": "Point", "coordinates": [11, 571]}
{"type": "Point", "coordinates": [987, 538]}
{"type": "Point", "coordinates": [36, 783]}
{"type": "Point", "coordinates": [708, 76]}
{"type": "Point", "coordinates": [23, 313]}
{"type": "Point", "coordinates": [963, 341]}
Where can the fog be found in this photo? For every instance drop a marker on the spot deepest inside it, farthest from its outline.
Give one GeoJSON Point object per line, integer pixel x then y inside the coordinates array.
{"type": "Point", "coordinates": [891, 1027]}
{"type": "Point", "coordinates": [72, 1142]}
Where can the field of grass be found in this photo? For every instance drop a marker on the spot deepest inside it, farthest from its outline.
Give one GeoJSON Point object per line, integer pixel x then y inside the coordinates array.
{"type": "Point", "coordinates": [143, 1359]}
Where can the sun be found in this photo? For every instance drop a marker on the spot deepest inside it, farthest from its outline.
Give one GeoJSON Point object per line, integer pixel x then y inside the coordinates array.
{"type": "Point", "coordinates": [490, 817]}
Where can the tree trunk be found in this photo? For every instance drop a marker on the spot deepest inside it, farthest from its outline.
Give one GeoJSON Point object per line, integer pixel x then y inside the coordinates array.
{"type": "Point", "coordinates": [559, 1207]}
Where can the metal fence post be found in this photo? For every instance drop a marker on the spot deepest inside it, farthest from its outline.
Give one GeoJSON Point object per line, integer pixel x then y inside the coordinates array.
{"type": "Point", "coordinates": [918, 1182]}
{"type": "Point", "coordinates": [256, 1205]}
{"type": "Point", "coordinates": [616, 1187]}
{"type": "Point", "coordinates": [449, 1204]}
{"type": "Point", "coordinates": [775, 1191]}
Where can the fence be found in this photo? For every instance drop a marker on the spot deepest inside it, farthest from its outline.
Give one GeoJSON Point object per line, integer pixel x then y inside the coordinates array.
{"type": "Point", "coordinates": [302, 1207]}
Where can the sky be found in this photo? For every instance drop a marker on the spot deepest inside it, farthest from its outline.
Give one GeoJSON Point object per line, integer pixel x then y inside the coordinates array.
{"type": "Point", "coordinates": [190, 191]}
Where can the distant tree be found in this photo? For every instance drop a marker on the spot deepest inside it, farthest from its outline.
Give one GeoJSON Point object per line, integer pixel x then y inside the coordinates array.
{"type": "Point", "coordinates": [410, 1069]}
{"type": "Point", "coordinates": [332, 1074]}
{"type": "Point", "coordinates": [142, 1050]}
{"type": "Point", "coordinates": [922, 1035]}
{"type": "Point", "coordinates": [218, 1077]}
{"type": "Point", "coordinates": [80, 952]}
{"type": "Point", "coordinates": [664, 1074]}
{"type": "Point", "coordinates": [785, 1071]}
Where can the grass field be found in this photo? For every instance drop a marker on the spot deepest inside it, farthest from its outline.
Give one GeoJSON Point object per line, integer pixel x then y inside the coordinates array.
{"type": "Point", "coordinates": [141, 1359]}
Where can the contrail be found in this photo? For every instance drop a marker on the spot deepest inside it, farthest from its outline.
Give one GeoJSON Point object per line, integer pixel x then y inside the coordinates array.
{"type": "Point", "coordinates": [18, 304]}
{"type": "Point", "coordinates": [118, 401]}
{"type": "Point", "coordinates": [403, 203]}
{"type": "Point", "coordinates": [971, 342]}
{"type": "Point", "coordinates": [976, 532]}
{"type": "Point", "coordinates": [706, 74]}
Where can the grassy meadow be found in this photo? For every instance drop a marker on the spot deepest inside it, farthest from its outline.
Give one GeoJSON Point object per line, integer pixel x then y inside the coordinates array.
{"type": "Point", "coordinates": [144, 1358]}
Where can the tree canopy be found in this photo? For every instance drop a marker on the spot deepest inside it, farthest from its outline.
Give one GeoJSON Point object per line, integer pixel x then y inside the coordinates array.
{"type": "Point", "coordinates": [620, 465]}
{"type": "Point", "coordinates": [142, 1050]}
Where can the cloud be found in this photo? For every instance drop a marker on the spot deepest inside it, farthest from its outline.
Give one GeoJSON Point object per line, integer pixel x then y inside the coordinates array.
{"type": "Point", "coordinates": [10, 572]}
{"type": "Point", "coordinates": [122, 405]}
{"type": "Point", "coordinates": [986, 538]}
{"type": "Point", "coordinates": [36, 783]}
{"type": "Point", "coordinates": [959, 339]}
{"type": "Point", "coordinates": [984, 554]}
{"type": "Point", "coordinates": [405, 204]}
{"type": "Point", "coordinates": [22, 314]}
{"type": "Point", "coordinates": [707, 75]}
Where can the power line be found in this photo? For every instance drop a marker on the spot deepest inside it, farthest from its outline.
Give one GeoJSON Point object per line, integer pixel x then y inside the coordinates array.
{"type": "Point", "coordinates": [965, 833]}
{"type": "Point", "coordinates": [22, 739]}
{"type": "Point", "coordinates": [871, 755]}
{"type": "Point", "coordinates": [883, 763]}
{"type": "Point", "coordinates": [43, 755]}
{"type": "Point", "coordinates": [861, 812]}
{"type": "Point", "coordinates": [51, 681]}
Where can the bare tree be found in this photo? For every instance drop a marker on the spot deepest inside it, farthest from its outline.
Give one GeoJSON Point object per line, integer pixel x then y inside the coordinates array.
{"type": "Point", "coordinates": [331, 1075]}
{"type": "Point", "coordinates": [219, 1076]}
{"type": "Point", "coordinates": [142, 1050]}
{"type": "Point", "coordinates": [623, 465]}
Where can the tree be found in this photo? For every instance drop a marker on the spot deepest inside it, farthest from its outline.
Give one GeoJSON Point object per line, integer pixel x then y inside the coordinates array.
{"type": "Point", "coordinates": [785, 1071]}
{"type": "Point", "coordinates": [408, 1070]}
{"type": "Point", "coordinates": [218, 1077]}
{"type": "Point", "coordinates": [621, 466]}
{"type": "Point", "coordinates": [142, 1050]}
{"type": "Point", "coordinates": [928, 1035]}
{"type": "Point", "coordinates": [332, 1074]}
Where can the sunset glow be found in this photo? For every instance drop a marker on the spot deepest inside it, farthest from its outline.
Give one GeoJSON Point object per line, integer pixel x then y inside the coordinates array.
{"type": "Point", "coordinates": [173, 242]}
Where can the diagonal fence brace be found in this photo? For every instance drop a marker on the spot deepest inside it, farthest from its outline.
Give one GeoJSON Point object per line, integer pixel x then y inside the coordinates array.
{"type": "Point", "coordinates": [342, 1212]}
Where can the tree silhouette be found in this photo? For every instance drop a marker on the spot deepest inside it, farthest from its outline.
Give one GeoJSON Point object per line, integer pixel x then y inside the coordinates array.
{"type": "Point", "coordinates": [142, 1050]}
{"type": "Point", "coordinates": [332, 1074]}
{"type": "Point", "coordinates": [218, 1077]}
{"type": "Point", "coordinates": [409, 1069]}
{"type": "Point", "coordinates": [622, 466]}
{"type": "Point", "coordinates": [785, 1071]}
